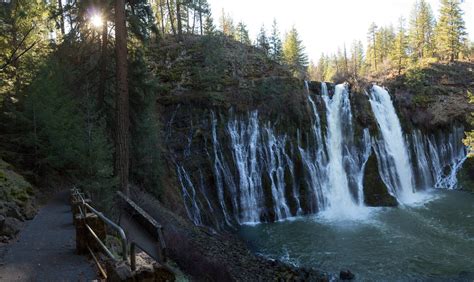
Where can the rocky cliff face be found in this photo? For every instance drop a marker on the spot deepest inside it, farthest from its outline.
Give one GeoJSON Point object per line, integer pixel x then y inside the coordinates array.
{"type": "Point", "coordinates": [16, 201]}
{"type": "Point", "coordinates": [241, 135]}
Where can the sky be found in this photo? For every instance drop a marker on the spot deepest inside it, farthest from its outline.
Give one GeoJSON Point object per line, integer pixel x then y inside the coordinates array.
{"type": "Point", "coordinates": [325, 25]}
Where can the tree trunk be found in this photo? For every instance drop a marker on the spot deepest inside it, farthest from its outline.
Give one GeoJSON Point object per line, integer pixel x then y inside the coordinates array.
{"type": "Point", "coordinates": [61, 17]}
{"type": "Point", "coordinates": [170, 12]}
{"type": "Point", "coordinates": [200, 21]}
{"type": "Point", "coordinates": [178, 18]}
{"type": "Point", "coordinates": [162, 18]}
{"type": "Point", "coordinates": [103, 65]}
{"type": "Point", "coordinates": [122, 103]}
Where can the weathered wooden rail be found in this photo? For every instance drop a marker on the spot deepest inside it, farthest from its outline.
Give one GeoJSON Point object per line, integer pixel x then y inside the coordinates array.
{"type": "Point", "coordinates": [135, 229]}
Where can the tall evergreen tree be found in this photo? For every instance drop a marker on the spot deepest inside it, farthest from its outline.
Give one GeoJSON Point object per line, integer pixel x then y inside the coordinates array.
{"type": "Point", "coordinates": [294, 53]}
{"type": "Point", "coordinates": [399, 55]}
{"type": "Point", "coordinates": [450, 30]}
{"type": "Point", "coordinates": [357, 58]}
{"type": "Point", "coordinates": [372, 48]}
{"type": "Point", "coordinates": [122, 102]}
{"type": "Point", "coordinates": [242, 34]}
{"type": "Point", "coordinates": [421, 31]}
{"type": "Point", "coordinates": [276, 47]}
{"type": "Point", "coordinates": [262, 40]}
{"type": "Point", "coordinates": [209, 27]}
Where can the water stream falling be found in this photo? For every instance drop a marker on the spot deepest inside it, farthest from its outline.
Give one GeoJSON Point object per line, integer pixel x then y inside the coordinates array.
{"type": "Point", "coordinates": [392, 153]}
{"type": "Point", "coordinates": [263, 173]}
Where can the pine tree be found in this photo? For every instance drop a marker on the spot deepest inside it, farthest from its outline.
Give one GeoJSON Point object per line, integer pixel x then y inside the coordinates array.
{"type": "Point", "coordinates": [385, 40]}
{"type": "Point", "coordinates": [23, 44]}
{"type": "Point", "coordinates": [262, 40]}
{"type": "Point", "coordinates": [276, 48]}
{"type": "Point", "coordinates": [399, 55]}
{"type": "Point", "coordinates": [322, 68]}
{"type": "Point", "coordinates": [313, 71]}
{"type": "Point", "coordinates": [209, 27]}
{"type": "Point", "coordinates": [450, 30]}
{"type": "Point", "coordinates": [372, 48]}
{"type": "Point", "coordinates": [421, 31]}
{"type": "Point", "coordinates": [294, 53]}
{"type": "Point", "coordinates": [242, 34]}
{"type": "Point", "coordinates": [357, 58]}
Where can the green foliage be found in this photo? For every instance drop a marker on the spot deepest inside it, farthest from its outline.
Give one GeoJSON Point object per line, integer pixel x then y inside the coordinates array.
{"type": "Point", "coordinates": [145, 165]}
{"type": "Point", "coordinates": [398, 54]}
{"type": "Point", "coordinates": [415, 80]}
{"type": "Point", "coordinates": [66, 132]}
{"type": "Point", "coordinates": [372, 48]}
{"type": "Point", "coordinates": [421, 31]}
{"type": "Point", "coordinates": [242, 34]}
{"type": "Point", "coordinates": [276, 47]}
{"type": "Point", "coordinates": [24, 42]}
{"type": "Point", "coordinates": [262, 41]}
{"type": "Point", "coordinates": [209, 27]}
{"type": "Point", "coordinates": [210, 72]}
{"type": "Point", "coordinates": [294, 53]}
{"type": "Point", "coordinates": [469, 140]}
{"type": "Point", "coordinates": [450, 30]}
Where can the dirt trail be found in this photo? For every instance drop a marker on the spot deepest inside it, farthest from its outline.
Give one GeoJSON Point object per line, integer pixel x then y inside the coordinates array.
{"type": "Point", "coordinates": [45, 249]}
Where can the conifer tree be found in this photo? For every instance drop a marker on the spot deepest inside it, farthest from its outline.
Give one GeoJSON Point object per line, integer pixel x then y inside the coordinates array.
{"type": "Point", "coordinates": [262, 41]}
{"type": "Point", "coordinates": [322, 68]}
{"type": "Point", "coordinates": [372, 48]}
{"type": "Point", "coordinates": [450, 30]}
{"type": "Point", "coordinates": [398, 55]}
{"type": "Point", "coordinates": [357, 58]}
{"type": "Point", "coordinates": [421, 31]}
{"type": "Point", "coordinates": [294, 53]}
{"type": "Point", "coordinates": [276, 48]}
{"type": "Point", "coordinates": [209, 27]}
{"type": "Point", "coordinates": [242, 34]}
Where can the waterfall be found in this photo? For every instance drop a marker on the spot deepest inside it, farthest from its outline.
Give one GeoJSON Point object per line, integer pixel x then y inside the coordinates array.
{"type": "Point", "coordinates": [275, 159]}
{"type": "Point", "coordinates": [346, 160]}
{"type": "Point", "coordinates": [262, 173]}
{"type": "Point", "coordinates": [189, 196]}
{"type": "Point", "coordinates": [392, 152]}
{"type": "Point", "coordinates": [223, 176]}
{"type": "Point", "coordinates": [244, 138]}
{"type": "Point", "coordinates": [438, 157]}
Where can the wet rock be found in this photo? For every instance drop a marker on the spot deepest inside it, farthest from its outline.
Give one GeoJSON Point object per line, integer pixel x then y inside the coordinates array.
{"type": "Point", "coordinates": [466, 175]}
{"type": "Point", "coordinates": [375, 191]}
{"type": "Point", "coordinates": [346, 275]}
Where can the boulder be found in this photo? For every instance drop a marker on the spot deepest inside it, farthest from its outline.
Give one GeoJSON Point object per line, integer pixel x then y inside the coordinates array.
{"type": "Point", "coordinates": [346, 275]}
{"type": "Point", "coordinates": [29, 211]}
{"type": "Point", "coordinates": [12, 210]}
{"type": "Point", "coordinates": [375, 191]}
{"type": "Point", "coordinates": [10, 227]}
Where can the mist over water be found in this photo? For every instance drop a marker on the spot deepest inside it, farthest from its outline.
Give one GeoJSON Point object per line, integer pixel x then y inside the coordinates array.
{"type": "Point", "coordinates": [433, 240]}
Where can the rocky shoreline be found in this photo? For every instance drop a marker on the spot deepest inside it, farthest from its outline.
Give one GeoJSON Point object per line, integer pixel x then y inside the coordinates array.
{"type": "Point", "coordinates": [206, 254]}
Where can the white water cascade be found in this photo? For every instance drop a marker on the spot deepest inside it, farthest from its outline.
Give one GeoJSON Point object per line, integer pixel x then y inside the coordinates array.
{"type": "Point", "coordinates": [339, 119]}
{"type": "Point", "coordinates": [261, 171]}
{"type": "Point", "coordinates": [392, 153]}
{"type": "Point", "coordinates": [438, 158]}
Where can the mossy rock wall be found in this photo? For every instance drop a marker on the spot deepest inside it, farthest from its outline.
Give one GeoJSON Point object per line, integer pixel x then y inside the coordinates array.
{"type": "Point", "coordinates": [375, 191]}
{"type": "Point", "coordinates": [466, 175]}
